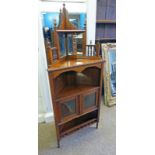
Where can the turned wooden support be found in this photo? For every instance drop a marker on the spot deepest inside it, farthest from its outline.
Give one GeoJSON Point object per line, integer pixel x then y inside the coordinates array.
{"type": "Point", "coordinates": [93, 50]}
{"type": "Point", "coordinates": [49, 55]}
{"type": "Point", "coordinates": [55, 53]}
{"type": "Point", "coordinates": [84, 40]}
{"type": "Point", "coordinates": [97, 49]}
{"type": "Point", "coordinates": [52, 55]}
{"type": "Point", "coordinates": [74, 43]}
{"type": "Point", "coordinates": [56, 39]}
{"type": "Point", "coordinates": [90, 49]}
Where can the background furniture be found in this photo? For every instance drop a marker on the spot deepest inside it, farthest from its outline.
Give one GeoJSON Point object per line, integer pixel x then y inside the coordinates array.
{"type": "Point", "coordinates": [109, 55]}
{"type": "Point", "coordinates": [106, 21]}
{"type": "Point", "coordinates": [75, 76]}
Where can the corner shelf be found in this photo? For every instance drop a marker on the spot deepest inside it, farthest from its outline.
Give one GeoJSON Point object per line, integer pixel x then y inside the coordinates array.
{"type": "Point", "coordinates": [78, 127]}
{"type": "Point", "coordinates": [76, 117]}
{"type": "Point", "coordinates": [74, 90]}
{"type": "Point", "coordinates": [78, 123]}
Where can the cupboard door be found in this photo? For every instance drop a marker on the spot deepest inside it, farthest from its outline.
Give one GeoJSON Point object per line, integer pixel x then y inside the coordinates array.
{"type": "Point", "coordinates": [68, 108]}
{"type": "Point", "coordinates": [90, 101]}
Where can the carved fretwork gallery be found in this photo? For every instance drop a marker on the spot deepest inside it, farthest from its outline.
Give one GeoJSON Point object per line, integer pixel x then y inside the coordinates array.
{"type": "Point", "coordinates": [75, 77]}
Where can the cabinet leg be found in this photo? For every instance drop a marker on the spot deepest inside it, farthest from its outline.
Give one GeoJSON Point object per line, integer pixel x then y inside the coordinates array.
{"type": "Point", "coordinates": [58, 144]}
{"type": "Point", "coordinates": [97, 125]}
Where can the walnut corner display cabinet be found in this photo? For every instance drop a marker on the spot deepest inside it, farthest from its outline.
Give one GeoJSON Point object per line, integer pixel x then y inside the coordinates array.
{"type": "Point", "coordinates": [75, 77]}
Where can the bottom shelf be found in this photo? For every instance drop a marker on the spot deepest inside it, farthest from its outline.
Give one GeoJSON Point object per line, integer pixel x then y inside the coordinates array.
{"type": "Point", "coordinates": [78, 123]}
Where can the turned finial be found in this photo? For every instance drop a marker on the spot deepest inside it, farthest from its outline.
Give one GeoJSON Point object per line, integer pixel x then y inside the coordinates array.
{"type": "Point", "coordinates": [85, 24]}
{"type": "Point", "coordinates": [64, 4]}
{"type": "Point", "coordinates": [55, 22]}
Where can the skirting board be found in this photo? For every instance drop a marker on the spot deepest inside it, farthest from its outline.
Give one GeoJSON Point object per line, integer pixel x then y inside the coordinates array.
{"type": "Point", "coordinates": [45, 117]}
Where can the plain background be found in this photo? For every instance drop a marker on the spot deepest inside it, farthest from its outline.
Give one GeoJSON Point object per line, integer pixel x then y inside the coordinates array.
{"type": "Point", "coordinates": [135, 77]}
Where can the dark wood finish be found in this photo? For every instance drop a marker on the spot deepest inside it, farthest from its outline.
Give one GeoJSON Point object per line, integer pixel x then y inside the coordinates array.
{"type": "Point", "coordinates": [75, 82]}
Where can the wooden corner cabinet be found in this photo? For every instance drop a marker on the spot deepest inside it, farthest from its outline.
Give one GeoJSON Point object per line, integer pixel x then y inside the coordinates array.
{"type": "Point", "coordinates": [75, 76]}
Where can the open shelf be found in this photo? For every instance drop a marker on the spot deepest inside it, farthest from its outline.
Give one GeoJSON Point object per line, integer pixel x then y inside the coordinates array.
{"type": "Point", "coordinates": [76, 61]}
{"type": "Point", "coordinates": [78, 123]}
{"type": "Point", "coordinates": [70, 31]}
{"type": "Point", "coordinates": [76, 116]}
{"type": "Point", "coordinates": [78, 127]}
{"type": "Point", "coordinates": [74, 90]}
{"type": "Point", "coordinates": [72, 83]}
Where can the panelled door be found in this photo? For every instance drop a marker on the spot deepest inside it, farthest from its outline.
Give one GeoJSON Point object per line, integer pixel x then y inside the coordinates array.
{"type": "Point", "coordinates": [68, 108]}
{"type": "Point", "coordinates": [89, 100]}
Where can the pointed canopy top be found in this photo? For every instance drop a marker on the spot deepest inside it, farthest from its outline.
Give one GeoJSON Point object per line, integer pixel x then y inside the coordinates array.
{"type": "Point", "coordinates": [64, 23]}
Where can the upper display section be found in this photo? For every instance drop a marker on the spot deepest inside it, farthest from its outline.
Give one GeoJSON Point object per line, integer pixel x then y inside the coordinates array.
{"type": "Point", "coordinates": [68, 43]}
{"type": "Point", "coordinates": [68, 39]}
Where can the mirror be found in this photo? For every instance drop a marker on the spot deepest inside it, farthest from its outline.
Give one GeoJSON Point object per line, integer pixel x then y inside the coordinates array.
{"type": "Point", "coordinates": [62, 44]}
{"type": "Point", "coordinates": [70, 43]}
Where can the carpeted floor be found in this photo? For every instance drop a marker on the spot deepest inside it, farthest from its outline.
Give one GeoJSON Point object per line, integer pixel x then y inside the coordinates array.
{"type": "Point", "coordinates": [87, 141]}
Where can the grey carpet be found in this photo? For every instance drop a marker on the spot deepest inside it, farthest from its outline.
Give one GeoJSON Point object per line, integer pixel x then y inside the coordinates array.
{"type": "Point", "coordinates": [87, 141]}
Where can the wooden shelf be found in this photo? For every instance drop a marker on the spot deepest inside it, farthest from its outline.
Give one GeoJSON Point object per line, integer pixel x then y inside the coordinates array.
{"type": "Point", "coordinates": [105, 21]}
{"type": "Point", "coordinates": [82, 125]}
{"type": "Point", "coordinates": [74, 90]}
{"type": "Point", "coordinates": [77, 116]}
{"type": "Point", "coordinates": [70, 31]}
{"type": "Point", "coordinates": [71, 63]}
